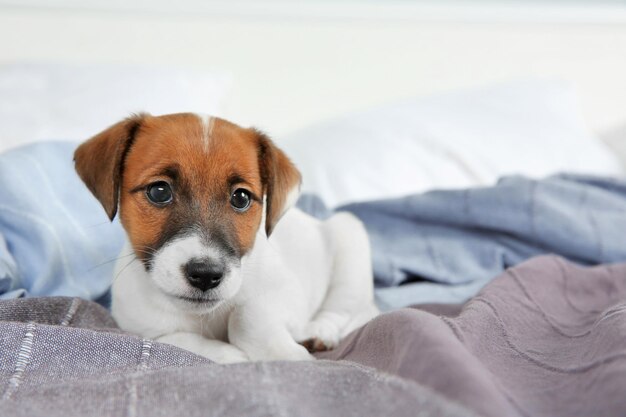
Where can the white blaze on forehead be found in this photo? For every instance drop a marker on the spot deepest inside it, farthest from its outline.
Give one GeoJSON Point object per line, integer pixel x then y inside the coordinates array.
{"type": "Point", "coordinates": [207, 129]}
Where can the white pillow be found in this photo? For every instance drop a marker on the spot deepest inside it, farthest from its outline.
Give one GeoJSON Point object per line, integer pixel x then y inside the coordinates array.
{"type": "Point", "coordinates": [449, 140]}
{"type": "Point", "coordinates": [46, 101]}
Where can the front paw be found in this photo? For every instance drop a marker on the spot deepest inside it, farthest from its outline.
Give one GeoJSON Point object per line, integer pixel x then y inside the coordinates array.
{"type": "Point", "coordinates": [215, 350]}
{"type": "Point", "coordinates": [318, 336]}
{"type": "Point", "coordinates": [314, 345]}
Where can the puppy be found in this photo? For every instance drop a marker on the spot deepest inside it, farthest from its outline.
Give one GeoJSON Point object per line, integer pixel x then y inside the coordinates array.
{"type": "Point", "coordinates": [221, 264]}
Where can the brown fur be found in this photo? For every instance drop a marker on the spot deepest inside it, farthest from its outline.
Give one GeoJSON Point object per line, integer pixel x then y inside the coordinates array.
{"type": "Point", "coordinates": [279, 176]}
{"type": "Point", "coordinates": [99, 161]}
{"type": "Point", "coordinates": [124, 159]}
{"type": "Point", "coordinates": [314, 345]}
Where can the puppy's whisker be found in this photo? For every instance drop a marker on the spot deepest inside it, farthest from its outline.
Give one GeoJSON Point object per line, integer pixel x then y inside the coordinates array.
{"type": "Point", "coordinates": [98, 224]}
{"type": "Point", "coordinates": [123, 268]}
{"type": "Point", "coordinates": [146, 252]}
{"type": "Point", "coordinates": [147, 249]}
{"type": "Point", "coordinates": [109, 261]}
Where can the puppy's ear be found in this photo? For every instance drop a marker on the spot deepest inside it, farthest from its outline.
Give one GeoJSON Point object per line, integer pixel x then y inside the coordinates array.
{"type": "Point", "coordinates": [281, 181]}
{"type": "Point", "coordinates": [99, 161]}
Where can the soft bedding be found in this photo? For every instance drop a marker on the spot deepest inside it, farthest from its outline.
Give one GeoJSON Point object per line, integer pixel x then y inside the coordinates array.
{"type": "Point", "coordinates": [545, 338]}
{"type": "Point", "coordinates": [65, 357]}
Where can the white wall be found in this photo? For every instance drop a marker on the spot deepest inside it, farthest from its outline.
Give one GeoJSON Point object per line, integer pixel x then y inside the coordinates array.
{"type": "Point", "coordinates": [291, 70]}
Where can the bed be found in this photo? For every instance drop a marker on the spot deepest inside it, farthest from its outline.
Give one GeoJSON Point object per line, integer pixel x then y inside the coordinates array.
{"type": "Point", "coordinates": [494, 208]}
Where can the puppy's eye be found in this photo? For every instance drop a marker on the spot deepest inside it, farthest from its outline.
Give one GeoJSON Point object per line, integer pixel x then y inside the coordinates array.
{"type": "Point", "coordinates": [240, 200]}
{"type": "Point", "coordinates": [159, 193]}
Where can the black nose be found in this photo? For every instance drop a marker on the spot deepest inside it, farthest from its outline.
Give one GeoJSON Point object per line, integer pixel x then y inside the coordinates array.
{"type": "Point", "coordinates": [204, 275]}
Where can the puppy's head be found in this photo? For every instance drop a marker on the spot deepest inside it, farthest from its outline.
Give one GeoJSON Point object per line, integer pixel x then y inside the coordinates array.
{"type": "Point", "coordinates": [191, 192]}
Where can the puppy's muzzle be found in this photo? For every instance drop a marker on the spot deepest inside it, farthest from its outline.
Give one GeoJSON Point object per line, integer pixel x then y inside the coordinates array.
{"type": "Point", "coordinates": [204, 274]}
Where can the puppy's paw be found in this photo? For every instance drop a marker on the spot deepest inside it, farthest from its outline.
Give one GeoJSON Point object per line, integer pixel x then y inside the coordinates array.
{"type": "Point", "coordinates": [216, 350]}
{"type": "Point", "coordinates": [319, 335]}
{"type": "Point", "coordinates": [314, 345]}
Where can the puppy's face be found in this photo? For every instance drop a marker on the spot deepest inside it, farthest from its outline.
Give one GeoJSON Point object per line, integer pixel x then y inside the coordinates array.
{"type": "Point", "coordinates": [191, 191]}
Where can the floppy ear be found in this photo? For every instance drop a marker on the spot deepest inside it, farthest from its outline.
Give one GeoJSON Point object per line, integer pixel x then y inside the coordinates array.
{"type": "Point", "coordinates": [281, 181]}
{"type": "Point", "coordinates": [100, 161]}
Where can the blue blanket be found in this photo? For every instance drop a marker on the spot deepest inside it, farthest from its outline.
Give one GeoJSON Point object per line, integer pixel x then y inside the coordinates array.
{"type": "Point", "coordinates": [441, 246]}
{"type": "Point", "coordinates": [55, 238]}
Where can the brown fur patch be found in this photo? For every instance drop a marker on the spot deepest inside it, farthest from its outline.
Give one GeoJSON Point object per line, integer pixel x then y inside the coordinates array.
{"type": "Point", "coordinates": [100, 160]}
{"type": "Point", "coordinates": [202, 188]}
{"type": "Point", "coordinates": [314, 345]}
{"type": "Point", "coordinates": [280, 177]}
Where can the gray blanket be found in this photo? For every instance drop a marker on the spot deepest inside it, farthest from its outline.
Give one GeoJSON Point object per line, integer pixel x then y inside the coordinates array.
{"type": "Point", "coordinates": [65, 357]}
{"type": "Point", "coordinates": [546, 338]}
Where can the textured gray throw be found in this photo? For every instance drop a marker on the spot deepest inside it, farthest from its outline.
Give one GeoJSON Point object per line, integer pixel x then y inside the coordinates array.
{"type": "Point", "coordinates": [64, 357]}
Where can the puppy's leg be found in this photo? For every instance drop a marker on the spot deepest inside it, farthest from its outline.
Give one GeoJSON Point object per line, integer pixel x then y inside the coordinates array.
{"type": "Point", "coordinates": [349, 302]}
{"type": "Point", "coordinates": [216, 350]}
{"type": "Point", "coordinates": [262, 335]}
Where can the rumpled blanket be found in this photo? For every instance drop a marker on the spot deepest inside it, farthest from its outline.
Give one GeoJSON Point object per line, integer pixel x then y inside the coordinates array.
{"type": "Point", "coordinates": [55, 238]}
{"type": "Point", "coordinates": [440, 246]}
{"type": "Point", "coordinates": [443, 246]}
{"type": "Point", "coordinates": [545, 338]}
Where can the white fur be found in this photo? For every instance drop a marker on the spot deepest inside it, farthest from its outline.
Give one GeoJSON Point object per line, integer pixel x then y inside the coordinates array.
{"type": "Point", "coordinates": [310, 279]}
{"type": "Point", "coordinates": [292, 197]}
{"type": "Point", "coordinates": [167, 272]}
{"type": "Point", "coordinates": [207, 123]}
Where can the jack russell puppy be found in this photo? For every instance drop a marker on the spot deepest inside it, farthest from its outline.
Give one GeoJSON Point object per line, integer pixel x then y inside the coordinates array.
{"type": "Point", "coordinates": [221, 264]}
